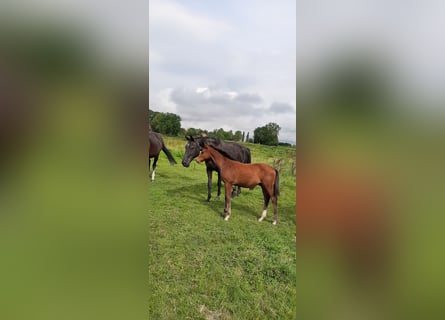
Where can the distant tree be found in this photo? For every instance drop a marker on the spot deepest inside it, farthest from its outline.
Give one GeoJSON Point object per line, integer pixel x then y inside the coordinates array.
{"type": "Point", "coordinates": [242, 139]}
{"type": "Point", "coordinates": [151, 115]}
{"type": "Point", "coordinates": [237, 136]}
{"type": "Point", "coordinates": [167, 123]}
{"type": "Point", "coordinates": [267, 134]}
{"type": "Point", "coordinates": [247, 138]}
{"type": "Point", "coordinates": [182, 132]}
{"type": "Point", "coordinates": [192, 132]}
{"type": "Point", "coordinates": [220, 133]}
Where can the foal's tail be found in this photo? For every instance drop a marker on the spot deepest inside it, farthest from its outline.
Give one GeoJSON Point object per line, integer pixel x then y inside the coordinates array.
{"type": "Point", "coordinates": [168, 154]}
{"type": "Point", "coordinates": [276, 185]}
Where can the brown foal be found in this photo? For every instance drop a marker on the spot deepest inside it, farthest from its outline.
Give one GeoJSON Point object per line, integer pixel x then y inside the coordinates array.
{"type": "Point", "coordinates": [246, 176]}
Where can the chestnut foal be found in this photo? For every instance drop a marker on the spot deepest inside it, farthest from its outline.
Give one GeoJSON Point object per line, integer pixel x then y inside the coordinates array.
{"type": "Point", "coordinates": [246, 176]}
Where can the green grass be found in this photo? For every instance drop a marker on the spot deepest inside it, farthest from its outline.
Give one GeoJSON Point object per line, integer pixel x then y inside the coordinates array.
{"type": "Point", "coordinates": [202, 267]}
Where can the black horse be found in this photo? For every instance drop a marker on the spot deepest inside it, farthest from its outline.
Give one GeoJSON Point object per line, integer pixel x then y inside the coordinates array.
{"type": "Point", "coordinates": [156, 144]}
{"type": "Point", "coordinates": [232, 150]}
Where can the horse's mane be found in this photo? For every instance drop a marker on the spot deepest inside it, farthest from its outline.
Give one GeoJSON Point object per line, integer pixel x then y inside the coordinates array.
{"type": "Point", "coordinates": [223, 153]}
{"type": "Point", "coordinates": [214, 141]}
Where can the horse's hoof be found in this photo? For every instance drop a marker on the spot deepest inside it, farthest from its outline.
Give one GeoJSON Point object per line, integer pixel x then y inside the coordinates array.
{"type": "Point", "coordinates": [274, 223]}
{"type": "Point", "coordinates": [217, 198]}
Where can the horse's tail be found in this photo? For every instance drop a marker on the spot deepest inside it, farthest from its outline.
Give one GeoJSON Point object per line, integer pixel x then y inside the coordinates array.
{"type": "Point", "coordinates": [168, 154]}
{"type": "Point", "coordinates": [276, 185]}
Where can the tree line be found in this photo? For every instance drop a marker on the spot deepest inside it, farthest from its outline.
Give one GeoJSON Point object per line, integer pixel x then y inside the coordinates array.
{"type": "Point", "coordinates": [170, 124]}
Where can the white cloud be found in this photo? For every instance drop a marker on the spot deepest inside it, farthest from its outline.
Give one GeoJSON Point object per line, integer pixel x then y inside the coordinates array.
{"type": "Point", "coordinates": [170, 16]}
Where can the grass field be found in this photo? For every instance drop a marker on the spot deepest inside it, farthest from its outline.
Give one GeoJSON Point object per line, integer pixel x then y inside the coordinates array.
{"type": "Point", "coordinates": [202, 267]}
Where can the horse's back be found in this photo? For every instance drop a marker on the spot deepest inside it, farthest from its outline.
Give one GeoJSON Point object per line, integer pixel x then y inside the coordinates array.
{"type": "Point", "coordinates": [155, 143]}
{"type": "Point", "coordinates": [248, 175]}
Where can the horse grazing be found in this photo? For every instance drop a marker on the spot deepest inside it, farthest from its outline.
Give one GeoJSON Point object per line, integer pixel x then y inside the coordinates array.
{"type": "Point", "coordinates": [156, 144]}
{"type": "Point", "coordinates": [232, 150]}
{"type": "Point", "coordinates": [244, 175]}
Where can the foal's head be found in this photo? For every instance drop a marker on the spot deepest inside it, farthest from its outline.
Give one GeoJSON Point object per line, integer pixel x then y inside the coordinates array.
{"type": "Point", "coordinates": [205, 154]}
{"type": "Point", "coordinates": [192, 150]}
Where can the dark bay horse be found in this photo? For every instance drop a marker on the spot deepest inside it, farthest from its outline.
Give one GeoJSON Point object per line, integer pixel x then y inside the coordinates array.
{"type": "Point", "coordinates": [244, 175]}
{"type": "Point", "coordinates": [156, 144]}
{"type": "Point", "coordinates": [232, 150]}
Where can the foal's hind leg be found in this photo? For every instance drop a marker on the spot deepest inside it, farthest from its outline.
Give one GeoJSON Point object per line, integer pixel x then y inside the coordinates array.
{"type": "Point", "coordinates": [266, 203]}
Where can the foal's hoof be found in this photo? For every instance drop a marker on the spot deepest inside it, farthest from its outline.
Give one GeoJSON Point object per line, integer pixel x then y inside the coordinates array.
{"type": "Point", "coordinates": [274, 223]}
{"type": "Point", "coordinates": [217, 198]}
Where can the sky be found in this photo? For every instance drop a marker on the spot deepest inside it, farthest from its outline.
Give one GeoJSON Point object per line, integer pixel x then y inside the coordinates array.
{"type": "Point", "coordinates": [224, 64]}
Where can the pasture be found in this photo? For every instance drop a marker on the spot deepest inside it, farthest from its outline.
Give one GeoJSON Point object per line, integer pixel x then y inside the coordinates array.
{"type": "Point", "coordinates": [202, 267]}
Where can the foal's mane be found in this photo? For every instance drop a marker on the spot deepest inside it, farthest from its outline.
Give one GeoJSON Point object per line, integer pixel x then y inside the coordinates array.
{"type": "Point", "coordinates": [223, 153]}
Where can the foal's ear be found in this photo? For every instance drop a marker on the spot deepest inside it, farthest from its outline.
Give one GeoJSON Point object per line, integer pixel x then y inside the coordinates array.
{"type": "Point", "coordinates": [189, 138]}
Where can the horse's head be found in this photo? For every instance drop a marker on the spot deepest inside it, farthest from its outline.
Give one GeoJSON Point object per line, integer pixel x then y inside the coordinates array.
{"type": "Point", "coordinates": [192, 150]}
{"type": "Point", "coordinates": [205, 154]}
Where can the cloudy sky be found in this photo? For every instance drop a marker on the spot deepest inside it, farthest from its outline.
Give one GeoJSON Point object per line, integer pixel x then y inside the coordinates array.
{"type": "Point", "coordinates": [224, 64]}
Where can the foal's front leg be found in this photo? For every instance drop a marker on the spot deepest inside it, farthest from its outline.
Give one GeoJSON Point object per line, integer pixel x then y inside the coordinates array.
{"type": "Point", "coordinates": [219, 185]}
{"type": "Point", "coordinates": [228, 197]}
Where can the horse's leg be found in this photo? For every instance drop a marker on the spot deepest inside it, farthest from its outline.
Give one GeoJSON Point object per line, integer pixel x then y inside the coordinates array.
{"type": "Point", "coordinates": [154, 168]}
{"type": "Point", "coordinates": [266, 203]}
{"type": "Point", "coordinates": [219, 185]}
{"type": "Point", "coordinates": [234, 194]}
{"type": "Point", "coordinates": [275, 209]}
{"type": "Point", "coordinates": [209, 184]}
{"type": "Point", "coordinates": [228, 198]}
